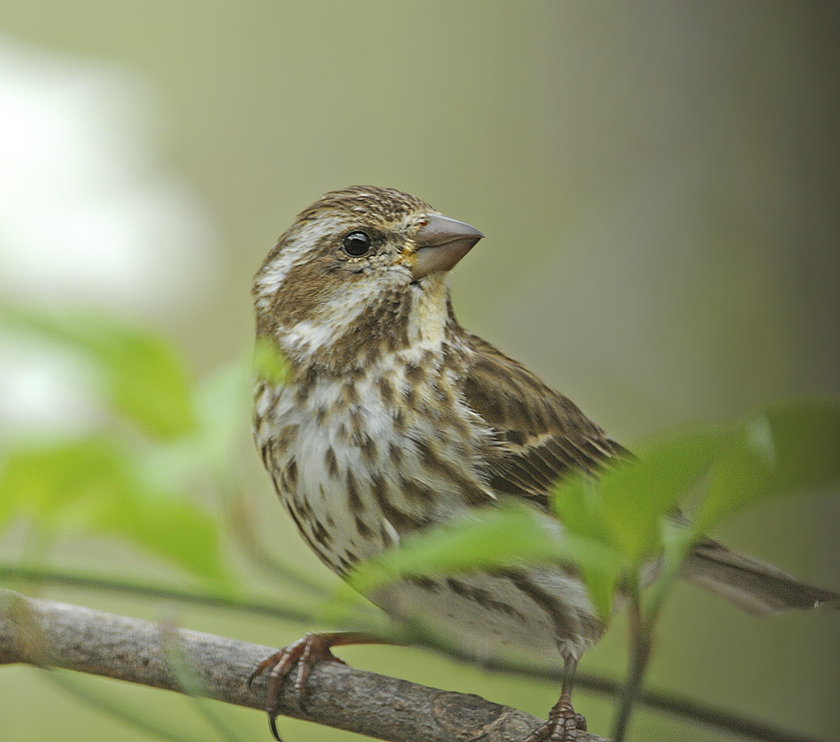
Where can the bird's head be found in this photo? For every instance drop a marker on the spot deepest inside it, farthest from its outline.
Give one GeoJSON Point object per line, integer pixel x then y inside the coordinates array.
{"type": "Point", "coordinates": [360, 272]}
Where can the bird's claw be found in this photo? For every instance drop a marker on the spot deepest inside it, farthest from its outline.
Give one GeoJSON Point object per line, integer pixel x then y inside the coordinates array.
{"type": "Point", "coordinates": [305, 652]}
{"type": "Point", "coordinates": [563, 724]}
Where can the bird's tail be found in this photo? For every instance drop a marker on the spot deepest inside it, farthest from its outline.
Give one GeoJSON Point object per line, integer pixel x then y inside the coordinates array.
{"type": "Point", "coordinates": [753, 585]}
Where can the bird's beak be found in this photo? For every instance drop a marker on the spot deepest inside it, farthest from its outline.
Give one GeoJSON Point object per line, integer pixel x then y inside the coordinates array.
{"type": "Point", "coordinates": [440, 243]}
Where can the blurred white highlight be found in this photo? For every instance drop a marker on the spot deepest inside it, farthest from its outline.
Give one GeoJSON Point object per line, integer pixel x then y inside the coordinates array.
{"type": "Point", "coordinates": [90, 215]}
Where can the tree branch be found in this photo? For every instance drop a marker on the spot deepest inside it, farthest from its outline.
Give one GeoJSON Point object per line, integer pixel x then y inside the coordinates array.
{"type": "Point", "coordinates": [51, 634]}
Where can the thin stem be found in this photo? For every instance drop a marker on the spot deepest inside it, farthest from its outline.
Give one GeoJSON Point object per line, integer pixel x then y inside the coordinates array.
{"type": "Point", "coordinates": [640, 639]}
{"type": "Point", "coordinates": [130, 586]}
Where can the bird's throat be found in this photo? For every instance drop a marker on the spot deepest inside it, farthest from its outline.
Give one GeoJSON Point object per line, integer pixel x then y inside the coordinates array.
{"type": "Point", "coordinates": [430, 315]}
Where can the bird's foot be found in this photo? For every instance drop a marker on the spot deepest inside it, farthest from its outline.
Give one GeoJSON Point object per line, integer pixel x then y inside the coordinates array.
{"type": "Point", "coordinates": [305, 652]}
{"type": "Point", "coordinates": [563, 724]}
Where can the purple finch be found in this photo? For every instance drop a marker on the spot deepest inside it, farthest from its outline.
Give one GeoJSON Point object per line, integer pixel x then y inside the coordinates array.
{"type": "Point", "coordinates": [395, 418]}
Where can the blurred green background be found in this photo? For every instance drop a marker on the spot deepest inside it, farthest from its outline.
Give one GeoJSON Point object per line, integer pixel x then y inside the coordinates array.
{"type": "Point", "coordinates": [658, 184]}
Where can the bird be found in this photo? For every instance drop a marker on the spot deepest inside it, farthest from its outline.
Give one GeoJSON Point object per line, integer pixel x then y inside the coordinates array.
{"type": "Point", "coordinates": [392, 418]}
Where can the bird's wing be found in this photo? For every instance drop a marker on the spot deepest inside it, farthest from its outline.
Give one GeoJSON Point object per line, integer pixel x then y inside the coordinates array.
{"type": "Point", "coordinates": [540, 434]}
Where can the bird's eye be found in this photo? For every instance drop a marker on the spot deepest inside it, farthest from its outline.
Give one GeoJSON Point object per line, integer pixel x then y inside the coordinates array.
{"type": "Point", "coordinates": [356, 244]}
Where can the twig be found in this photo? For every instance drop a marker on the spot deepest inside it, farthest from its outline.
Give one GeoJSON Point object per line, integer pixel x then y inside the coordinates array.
{"type": "Point", "coordinates": [640, 646]}
{"type": "Point", "coordinates": [687, 710]}
{"type": "Point", "coordinates": [52, 634]}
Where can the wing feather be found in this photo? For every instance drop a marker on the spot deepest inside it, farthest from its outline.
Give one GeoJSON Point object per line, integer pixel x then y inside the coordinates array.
{"type": "Point", "coordinates": [540, 434]}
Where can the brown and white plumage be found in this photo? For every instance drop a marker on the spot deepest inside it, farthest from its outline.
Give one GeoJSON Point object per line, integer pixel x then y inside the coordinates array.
{"type": "Point", "coordinates": [395, 418]}
{"type": "Point", "coordinates": [540, 434]}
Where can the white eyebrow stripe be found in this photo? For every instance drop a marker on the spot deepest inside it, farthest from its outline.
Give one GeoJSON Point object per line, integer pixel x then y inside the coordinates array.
{"type": "Point", "coordinates": [271, 277]}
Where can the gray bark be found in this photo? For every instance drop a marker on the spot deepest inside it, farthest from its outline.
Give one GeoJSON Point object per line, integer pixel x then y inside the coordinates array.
{"type": "Point", "coordinates": [51, 634]}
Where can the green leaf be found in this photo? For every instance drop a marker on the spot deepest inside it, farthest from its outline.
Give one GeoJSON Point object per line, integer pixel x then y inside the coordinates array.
{"type": "Point", "coordinates": [144, 377]}
{"type": "Point", "coordinates": [601, 578]}
{"type": "Point", "coordinates": [223, 401]}
{"type": "Point", "coordinates": [492, 538]}
{"type": "Point", "coordinates": [578, 502]}
{"type": "Point", "coordinates": [780, 449]}
{"type": "Point", "coordinates": [60, 484]}
{"type": "Point", "coordinates": [94, 485]}
{"type": "Point", "coordinates": [172, 527]}
{"type": "Point", "coordinates": [269, 362]}
{"type": "Point", "coordinates": [624, 507]}
{"type": "Point", "coordinates": [678, 539]}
